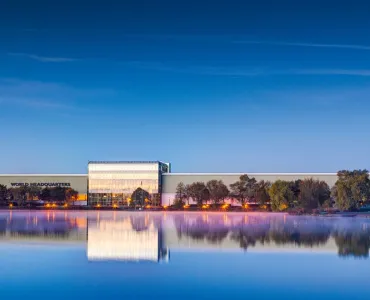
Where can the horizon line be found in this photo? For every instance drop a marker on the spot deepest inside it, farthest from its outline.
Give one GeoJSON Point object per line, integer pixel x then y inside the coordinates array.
{"type": "Point", "coordinates": [175, 174]}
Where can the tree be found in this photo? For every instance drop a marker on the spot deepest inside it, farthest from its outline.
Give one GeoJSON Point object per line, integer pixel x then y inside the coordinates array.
{"type": "Point", "coordinates": [3, 194]}
{"type": "Point", "coordinates": [58, 194]}
{"type": "Point", "coordinates": [295, 186]}
{"type": "Point", "coordinates": [262, 192]}
{"type": "Point", "coordinates": [138, 197]}
{"type": "Point", "coordinates": [187, 194]}
{"type": "Point", "coordinates": [18, 194]}
{"type": "Point", "coordinates": [313, 193]}
{"type": "Point", "coordinates": [218, 191]}
{"type": "Point", "coordinates": [33, 192]}
{"type": "Point", "coordinates": [244, 189]}
{"type": "Point", "coordinates": [181, 194]}
{"type": "Point", "coordinates": [71, 195]}
{"type": "Point", "coordinates": [281, 195]}
{"type": "Point", "coordinates": [351, 189]}
{"type": "Point", "coordinates": [45, 194]}
{"type": "Point", "coordinates": [198, 192]}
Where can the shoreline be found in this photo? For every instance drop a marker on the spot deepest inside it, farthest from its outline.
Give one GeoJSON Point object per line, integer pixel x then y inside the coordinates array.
{"type": "Point", "coordinates": [93, 209]}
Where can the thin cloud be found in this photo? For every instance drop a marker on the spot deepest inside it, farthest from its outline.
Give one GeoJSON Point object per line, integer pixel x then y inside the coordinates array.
{"type": "Point", "coordinates": [243, 72]}
{"type": "Point", "coordinates": [348, 72]}
{"type": "Point", "coordinates": [49, 96]}
{"type": "Point", "coordinates": [34, 103]}
{"type": "Point", "coordinates": [338, 46]}
{"type": "Point", "coordinates": [43, 58]}
{"type": "Point", "coordinates": [242, 40]}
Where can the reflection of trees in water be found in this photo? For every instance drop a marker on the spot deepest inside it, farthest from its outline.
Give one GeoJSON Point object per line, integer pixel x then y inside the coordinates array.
{"type": "Point", "coordinates": [299, 238]}
{"type": "Point", "coordinates": [352, 237]}
{"type": "Point", "coordinates": [213, 231]}
{"type": "Point", "coordinates": [217, 236]}
{"type": "Point", "coordinates": [3, 224]}
{"type": "Point", "coordinates": [248, 236]}
{"type": "Point", "coordinates": [351, 243]}
{"type": "Point", "coordinates": [29, 227]}
{"type": "Point", "coordinates": [139, 223]}
{"type": "Point", "coordinates": [143, 222]}
{"type": "Point", "coordinates": [302, 232]}
{"type": "Point", "coordinates": [179, 221]}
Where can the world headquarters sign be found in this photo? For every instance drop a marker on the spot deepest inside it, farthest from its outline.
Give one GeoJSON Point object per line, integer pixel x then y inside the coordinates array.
{"type": "Point", "coordinates": [42, 184]}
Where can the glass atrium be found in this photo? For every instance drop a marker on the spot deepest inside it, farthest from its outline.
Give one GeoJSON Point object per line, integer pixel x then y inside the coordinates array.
{"type": "Point", "coordinates": [134, 184]}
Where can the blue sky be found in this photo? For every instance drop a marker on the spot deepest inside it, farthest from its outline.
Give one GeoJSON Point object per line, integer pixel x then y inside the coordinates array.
{"type": "Point", "coordinates": [227, 86]}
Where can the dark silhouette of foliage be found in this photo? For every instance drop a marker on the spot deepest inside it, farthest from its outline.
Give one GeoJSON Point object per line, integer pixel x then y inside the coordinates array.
{"type": "Point", "coordinates": [281, 195]}
{"type": "Point", "coordinates": [3, 194]}
{"type": "Point", "coordinates": [182, 195]}
{"type": "Point", "coordinates": [218, 191]}
{"type": "Point", "coordinates": [351, 189]}
{"type": "Point", "coordinates": [45, 194]}
{"type": "Point", "coordinates": [313, 193]}
{"type": "Point", "coordinates": [138, 197]}
{"type": "Point", "coordinates": [262, 192]}
{"type": "Point", "coordinates": [244, 189]}
{"type": "Point", "coordinates": [198, 192]}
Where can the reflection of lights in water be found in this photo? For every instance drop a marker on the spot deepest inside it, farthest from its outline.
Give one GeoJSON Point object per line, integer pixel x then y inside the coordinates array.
{"type": "Point", "coordinates": [226, 219]}
{"type": "Point", "coordinates": [146, 220]}
{"type": "Point", "coordinates": [205, 218]}
{"type": "Point", "coordinates": [245, 219]}
{"type": "Point", "coordinates": [81, 222]}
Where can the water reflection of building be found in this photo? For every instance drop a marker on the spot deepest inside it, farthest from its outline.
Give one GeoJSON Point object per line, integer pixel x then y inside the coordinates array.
{"type": "Point", "coordinates": [145, 236]}
{"type": "Point", "coordinates": [120, 240]}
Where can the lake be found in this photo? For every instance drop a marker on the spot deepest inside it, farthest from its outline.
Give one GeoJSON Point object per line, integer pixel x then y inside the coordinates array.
{"type": "Point", "coordinates": [175, 255]}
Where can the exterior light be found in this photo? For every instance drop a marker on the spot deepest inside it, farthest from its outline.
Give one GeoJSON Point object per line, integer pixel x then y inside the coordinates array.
{"type": "Point", "coordinates": [11, 205]}
{"type": "Point", "coordinates": [98, 205]}
{"type": "Point", "coordinates": [165, 206]}
{"type": "Point", "coordinates": [47, 205]}
{"type": "Point", "coordinates": [115, 206]}
{"type": "Point", "coordinates": [246, 206]}
{"type": "Point", "coordinates": [186, 206]}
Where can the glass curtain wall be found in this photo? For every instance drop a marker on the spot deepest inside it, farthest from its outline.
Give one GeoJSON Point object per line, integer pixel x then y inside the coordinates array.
{"type": "Point", "coordinates": [125, 183]}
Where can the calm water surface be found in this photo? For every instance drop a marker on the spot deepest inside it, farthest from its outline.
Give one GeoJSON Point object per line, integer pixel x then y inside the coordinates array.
{"type": "Point", "coordinates": [119, 255]}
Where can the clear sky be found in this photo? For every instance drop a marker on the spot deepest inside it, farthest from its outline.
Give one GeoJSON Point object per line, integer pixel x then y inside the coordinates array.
{"type": "Point", "coordinates": [211, 86]}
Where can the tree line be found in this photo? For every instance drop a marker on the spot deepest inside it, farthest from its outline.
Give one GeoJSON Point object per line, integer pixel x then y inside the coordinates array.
{"type": "Point", "coordinates": [350, 192]}
{"type": "Point", "coordinates": [22, 194]}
